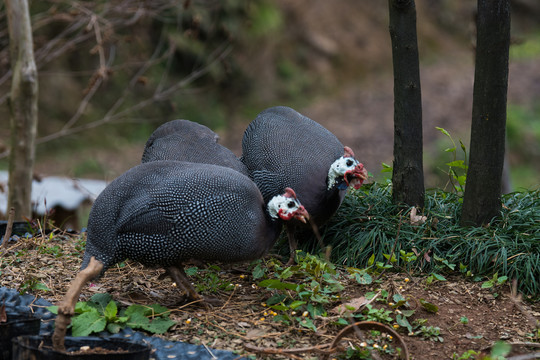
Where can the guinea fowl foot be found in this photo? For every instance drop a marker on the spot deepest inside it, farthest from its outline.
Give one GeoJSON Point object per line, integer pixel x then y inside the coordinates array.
{"type": "Point", "coordinates": [66, 308]}
{"type": "Point", "coordinates": [180, 278]}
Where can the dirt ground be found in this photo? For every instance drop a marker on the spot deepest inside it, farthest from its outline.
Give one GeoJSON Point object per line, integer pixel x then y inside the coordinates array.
{"type": "Point", "coordinates": [243, 323]}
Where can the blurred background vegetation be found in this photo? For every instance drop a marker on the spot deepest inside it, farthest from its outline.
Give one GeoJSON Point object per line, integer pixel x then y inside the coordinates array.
{"type": "Point", "coordinates": [110, 72]}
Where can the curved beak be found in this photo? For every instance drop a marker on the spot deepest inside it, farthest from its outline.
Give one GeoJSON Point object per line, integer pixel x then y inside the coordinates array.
{"type": "Point", "coordinates": [357, 176]}
{"type": "Point", "coordinates": [302, 214]}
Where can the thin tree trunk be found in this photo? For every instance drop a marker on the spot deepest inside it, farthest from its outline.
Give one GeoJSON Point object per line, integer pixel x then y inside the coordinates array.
{"type": "Point", "coordinates": [408, 173]}
{"type": "Point", "coordinates": [23, 108]}
{"type": "Point", "coordinates": [482, 199]}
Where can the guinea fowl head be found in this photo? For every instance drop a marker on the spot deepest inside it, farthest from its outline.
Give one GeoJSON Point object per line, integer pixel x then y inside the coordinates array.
{"type": "Point", "coordinates": [287, 207]}
{"type": "Point", "coordinates": [347, 171]}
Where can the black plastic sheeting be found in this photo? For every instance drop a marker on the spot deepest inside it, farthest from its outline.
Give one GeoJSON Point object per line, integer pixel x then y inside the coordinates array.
{"type": "Point", "coordinates": [162, 349]}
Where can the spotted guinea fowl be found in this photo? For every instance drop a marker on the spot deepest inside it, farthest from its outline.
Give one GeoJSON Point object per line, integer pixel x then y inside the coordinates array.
{"type": "Point", "coordinates": [164, 213]}
{"type": "Point", "coordinates": [185, 140]}
{"type": "Point", "coordinates": [283, 148]}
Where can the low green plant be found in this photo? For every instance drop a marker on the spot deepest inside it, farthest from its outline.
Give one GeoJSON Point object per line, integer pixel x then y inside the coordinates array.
{"type": "Point", "coordinates": [208, 280]}
{"type": "Point", "coordinates": [32, 283]}
{"type": "Point", "coordinates": [374, 314]}
{"type": "Point", "coordinates": [299, 292]}
{"type": "Point", "coordinates": [434, 277]}
{"type": "Point", "coordinates": [457, 168]}
{"type": "Point", "coordinates": [469, 354]}
{"type": "Point", "coordinates": [432, 333]}
{"type": "Point", "coordinates": [365, 228]}
{"type": "Point", "coordinates": [495, 283]}
{"type": "Point", "coordinates": [499, 351]}
{"type": "Point", "coordinates": [102, 313]}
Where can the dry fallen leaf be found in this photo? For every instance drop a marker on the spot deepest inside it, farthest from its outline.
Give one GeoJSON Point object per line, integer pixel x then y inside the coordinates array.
{"type": "Point", "coordinates": [417, 219]}
{"type": "Point", "coordinates": [350, 306]}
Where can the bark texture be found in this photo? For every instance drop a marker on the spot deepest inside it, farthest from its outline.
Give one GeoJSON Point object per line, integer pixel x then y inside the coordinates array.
{"type": "Point", "coordinates": [408, 172]}
{"type": "Point", "coordinates": [482, 200]}
{"type": "Point", "coordinates": [23, 108]}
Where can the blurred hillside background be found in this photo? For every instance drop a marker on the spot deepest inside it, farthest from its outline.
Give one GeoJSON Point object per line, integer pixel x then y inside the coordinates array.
{"type": "Point", "coordinates": [134, 65]}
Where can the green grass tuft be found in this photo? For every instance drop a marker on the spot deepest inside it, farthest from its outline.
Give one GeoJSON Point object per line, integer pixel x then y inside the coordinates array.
{"type": "Point", "coordinates": [367, 224]}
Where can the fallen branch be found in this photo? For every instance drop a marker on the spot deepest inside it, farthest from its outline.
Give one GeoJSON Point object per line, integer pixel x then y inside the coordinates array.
{"type": "Point", "coordinates": [372, 325]}
{"type": "Point", "coordinates": [328, 349]}
{"type": "Point", "coordinates": [9, 228]}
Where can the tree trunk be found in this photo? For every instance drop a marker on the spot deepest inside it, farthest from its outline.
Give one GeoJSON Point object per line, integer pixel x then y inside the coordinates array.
{"type": "Point", "coordinates": [408, 173]}
{"type": "Point", "coordinates": [23, 108]}
{"type": "Point", "coordinates": [482, 199]}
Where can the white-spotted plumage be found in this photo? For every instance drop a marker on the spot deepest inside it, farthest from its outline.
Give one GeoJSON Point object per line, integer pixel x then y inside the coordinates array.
{"type": "Point", "coordinates": [163, 213]}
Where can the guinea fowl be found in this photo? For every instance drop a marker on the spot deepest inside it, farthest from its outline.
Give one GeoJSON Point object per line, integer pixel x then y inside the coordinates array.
{"type": "Point", "coordinates": [164, 213]}
{"type": "Point", "coordinates": [283, 148]}
{"type": "Point", "coordinates": [185, 140]}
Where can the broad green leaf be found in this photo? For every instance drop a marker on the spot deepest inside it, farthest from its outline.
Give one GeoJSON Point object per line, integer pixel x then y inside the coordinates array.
{"type": "Point", "coordinates": [53, 309]}
{"type": "Point", "coordinates": [135, 308]}
{"type": "Point", "coordinates": [296, 304]}
{"type": "Point", "coordinates": [363, 278]}
{"type": "Point", "coordinates": [83, 306]}
{"type": "Point", "coordinates": [258, 272]}
{"type": "Point", "coordinates": [402, 321]}
{"type": "Point", "coordinates": [102, 300]}
{"type": "Point", "coordinates": [438, 277]}
{"type": "Point", "coordinates": [276, 284]}
{"type": "Point", "coordinates": [487, 284]}
{"type": "Point", "coordinates": [500, 349]}
{"type": "Point", "coordinates": [398, 297]}
{"type": "Point", "coordinates": [456, 163]}
{"type": "Point", "coordinates": [287, 273]}
{"type": "Point", "coordinates": [110, 310]}
{"type": "Point", "coordinates": [386, 168]}
{"type": "Point", "coordinates": [317, 310]}
{"type": "Point", "coordinates": [41, 286]}
{"type": "Point", "coordinates": [371, 259]}
{"type": "Point", "coordinates": [87, 323]}
{"type": "Point", "coordinates": [137, 320]}
{"type": "Point", "coordinates": [157, 310]}
{"type": "Point", "coordinates": [407, 313]}
{"type": "Point", "coordinates": [114, 328]}
{"type": "Point", "coordinates": [429, 306]}
{"type": "Point", "coordinates": [276, 299]}
{"type": "Point", "coordinates": [158, 325]}
{"type": "Point", "coordinates": [279, 307]}
{"type": "Point", "coordinates": [307, 323]}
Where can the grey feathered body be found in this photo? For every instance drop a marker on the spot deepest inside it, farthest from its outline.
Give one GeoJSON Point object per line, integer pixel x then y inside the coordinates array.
{"type": "Point", "coordinates": [283, 148]}
{"type": "Point", "coordinates": [184, 140]}
{"type": "Point", "coordinates": [165, 212]}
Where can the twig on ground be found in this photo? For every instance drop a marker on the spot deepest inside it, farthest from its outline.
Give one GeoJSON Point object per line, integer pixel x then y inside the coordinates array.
{"type": "Point", "coordinates": [9, 228]}
{"type": "Point", "coordinates": [328, 349]}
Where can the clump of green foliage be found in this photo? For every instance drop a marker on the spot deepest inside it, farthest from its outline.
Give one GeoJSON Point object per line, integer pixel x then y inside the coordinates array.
{"type": "Point", "coordinates": [102, 313]}
{"type": "Point", "coordinates": [368, 224]}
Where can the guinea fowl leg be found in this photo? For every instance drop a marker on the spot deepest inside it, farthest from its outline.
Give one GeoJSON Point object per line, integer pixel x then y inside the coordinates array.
{"type": "Point", "coordinates": [66, 308]}
{"type": "Point", "coordinates": [325, 249]}
{"type": "Point", "coordinates": [292, 244]}
{"type": "Point", "coordinates": [180, 278]}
